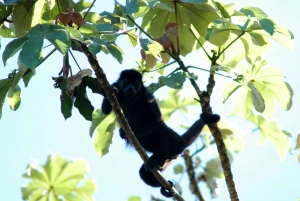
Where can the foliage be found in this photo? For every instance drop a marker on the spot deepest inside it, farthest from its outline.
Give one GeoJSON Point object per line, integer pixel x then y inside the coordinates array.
{"type": "Point", "coordinates": [58, 179]}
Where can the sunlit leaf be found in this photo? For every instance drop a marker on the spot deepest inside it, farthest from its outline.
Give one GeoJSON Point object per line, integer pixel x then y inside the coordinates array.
{"type": "Point", "coordinates": [116, 52]}
{"type": "Point", "coordinates": [213, 169]}
{"type": "Point", "coordinates": [271, 130]}
{"type": "Point", "coordinates": [27, 14]}
{"type": "Point", "coordinates": [134, 198]}
{"type": "Point", "coordinates": [178, 169]}
{"type": "Point", "coordinates": [260, 87]}
{"type": "Point", "coordinates": [58, 179]}
{"type": "Point", "coordinates": [175, 102]}
{"type": "Point", "coordinates": [232, 135]}
{"type": "Point", "coordinates": [14, 97]}
{"type": "Point", "coordinates": [104, 133]}
{"type": "Point", "coordinates": [132, 37]}
{"type": "Point", "coordinates": [5, 84]}
{"type": "Point", "coordinates": [184, 13]}
{"type": "Point", "coordinates": [81, 5]}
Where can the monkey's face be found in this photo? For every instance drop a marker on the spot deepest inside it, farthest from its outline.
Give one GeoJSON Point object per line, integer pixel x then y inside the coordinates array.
{"type": "Point", "coordinates": [130, 87]}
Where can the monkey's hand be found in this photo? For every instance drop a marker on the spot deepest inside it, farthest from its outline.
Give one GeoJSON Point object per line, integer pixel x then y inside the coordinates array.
{"type": "Point", "coordinates": [151, 164]}
{"type": "Point", "coordinates": [210, 118]}
{"type": "Point", "coordinates": [122, 134]}
{"type": "Point", "coordinates": [167, 193]}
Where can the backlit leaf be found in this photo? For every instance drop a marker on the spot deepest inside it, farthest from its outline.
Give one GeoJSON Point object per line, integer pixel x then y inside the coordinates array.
{"type": "Point", "coordinates": [27, 14]}
{"type": "Point", "coordinates": [58, 179]}
{"type": "Point", "coordinates": [5, 84]}
{"type": "Point", "coordinates": [14, 97]}
{"type": "Point", "coordinates": [104, 133]}
{"type": "Point", "coordinates": [184, 13]}
{"type": "Point", "coordinates": [271, 130]}
{"type": "Point", "coordinates": [260, 87]}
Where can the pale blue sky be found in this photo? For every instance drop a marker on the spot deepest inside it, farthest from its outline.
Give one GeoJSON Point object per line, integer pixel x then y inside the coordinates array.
{"type": "Point", "coordinates": [38, 127]}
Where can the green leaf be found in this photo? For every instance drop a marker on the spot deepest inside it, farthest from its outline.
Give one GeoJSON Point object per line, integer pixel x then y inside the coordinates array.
{"type": "Point", "coordinates": [92, 17]}
{"type": "Point", "coordinates": [254, 12]}
{"type": "Point", "coordinates": [66, 102]}
{"type": "Point", "coordinates": [14, 97]}
{"type": "Point", "coordinates": [191, 12]}
{"type": "Point", "coordinates": [4, 87]}
{"type": "Point", "coordinates": [82, 103]}
{"type": "Point", "coordinates": [134, 198]}
{"type": "Point", "coordinates": [175, 81]}
{"type": "Point", "coordinates": [5, 12]}
{"type": "Point", "coordinates": [60, 38]}
{"type": "Point", "coordinates": [7, 31]}
{"type": "Point", "coordinates": [89, 30]}
{"type": "Point", "coordinates": [175, 102]}
{"type": "Point", "coordinates": [81, 5]}
{"type": "Point", "coordinates": [229, 89]}
{"type": "Point", "coordinates": [58, 179]}
{"type": "Point", "coordinates": [132, 37]}
{"type": "Point", "coordinates": [178, 169]}
{"type": "Point", "coordinates": [222, 9]}
{"type": "Point", "coordinates": [130, 7]}
{"type": "Point", "coordinates": [27, 76]}
{"type": "Point", "coordinates": [96, 45]}
{"type": "Point", "coordinates": [260, 87]}
{"type": "Point", "coordinates": [93, 84]}
{"type": "Point", "coordinates": [213, 169]}
{"type": "Point", "coordinates": [116, 52]}
{"type": "Point", "coordinates": [272, 130]}
{"type": "Point", "coordinates": [151, 47]}
{"type": "Point", "coordinates": [155, 86]}
{"type": "Point", "coordinates": [12, 48]}
{"type": "Point", "coordinates": [27, 14]}
{"type": "Point", "coordinates": [31, 53]}
{"type": "Point", "coordinates": [104, 133]}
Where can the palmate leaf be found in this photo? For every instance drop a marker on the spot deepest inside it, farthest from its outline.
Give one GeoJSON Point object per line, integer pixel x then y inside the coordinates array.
{"type": "Point", "coordinates": [27, 14]}
{"type": "Point", "coordinates": [258, 90]}
{"type": "Point", "coordinates": [175, 102]}
{"type": "Point", "coordinates": [249, 35]}
{"type": "Point", "coordinates": [58, 179]}
{"type": "Point", "coordinates": [32, 44]}
{"type": "Point", "coordinates": [184, 13]}
{"type": "Point", "coordinates": [105, 125]}
{"type": "Point", "coordinates": [272, 130]}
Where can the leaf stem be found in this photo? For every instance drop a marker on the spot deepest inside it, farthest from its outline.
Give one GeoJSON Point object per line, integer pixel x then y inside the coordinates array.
{"type": "Point", "coordinates": [200, 44]}
{"type": "Point", "coordinates": [138, 26]}
{"type": "Point", "coordinates": [219, 54]}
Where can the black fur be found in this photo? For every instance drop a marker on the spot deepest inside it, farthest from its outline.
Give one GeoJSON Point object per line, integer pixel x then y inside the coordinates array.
{"type": "Point", "coordinates": [144, 117]}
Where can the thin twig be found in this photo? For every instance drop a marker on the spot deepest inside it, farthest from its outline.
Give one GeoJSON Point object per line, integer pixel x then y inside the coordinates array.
{"type": "Point", "coordinates": [74, 59]}
{"type": "Point", "coordinates": [208, 71]}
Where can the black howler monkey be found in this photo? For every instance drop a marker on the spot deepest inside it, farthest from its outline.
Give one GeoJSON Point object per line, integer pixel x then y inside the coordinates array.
{"type": "Point", "coordinates": [145, 119]}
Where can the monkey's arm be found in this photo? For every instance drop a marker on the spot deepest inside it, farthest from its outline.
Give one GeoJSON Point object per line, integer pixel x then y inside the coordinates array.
{"type": "Point", "coordinates": [106, 107]}
{"type": "Point", "coordinates": [192, 133]}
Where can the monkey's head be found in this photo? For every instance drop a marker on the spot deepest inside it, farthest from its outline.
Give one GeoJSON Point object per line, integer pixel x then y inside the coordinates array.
{"type": "Point", "coordinates": [130, 82]}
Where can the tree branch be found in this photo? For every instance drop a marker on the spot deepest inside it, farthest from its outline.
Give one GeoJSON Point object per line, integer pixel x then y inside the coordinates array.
{"type": "Point", "coordinates": [190, 170]}
{"type": "Point", "coordinates": [121, 118]}
{"type": "Point", "coordinates": [215, 131]}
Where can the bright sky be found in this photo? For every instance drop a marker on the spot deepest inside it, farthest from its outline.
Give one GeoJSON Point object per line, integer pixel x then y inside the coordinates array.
{"type": "Point", "coordinates": [38, 127]}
